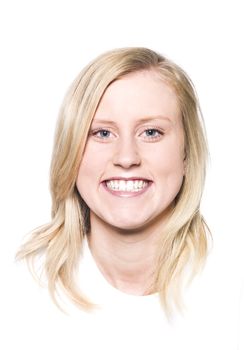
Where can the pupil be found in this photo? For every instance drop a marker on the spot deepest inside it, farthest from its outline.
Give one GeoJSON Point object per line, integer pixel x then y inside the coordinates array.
{"type": "Point", "coordinates": [150, 132]}
{"type": "Point", "coordinates": [105, 133]}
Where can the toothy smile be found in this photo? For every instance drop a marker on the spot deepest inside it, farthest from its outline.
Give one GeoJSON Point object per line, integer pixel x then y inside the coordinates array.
{"type": "Point", "coordinates": [127, 185]}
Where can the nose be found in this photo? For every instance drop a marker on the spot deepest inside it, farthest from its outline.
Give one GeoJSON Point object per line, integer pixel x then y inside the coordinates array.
{"type": "Point", "coordinates": [126, 154]}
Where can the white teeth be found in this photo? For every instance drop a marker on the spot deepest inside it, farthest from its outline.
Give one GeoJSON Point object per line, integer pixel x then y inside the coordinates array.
{"type": "Point", "coordinates": [130, 185]}
{"type": "Point", "coordinates": [126, 186]}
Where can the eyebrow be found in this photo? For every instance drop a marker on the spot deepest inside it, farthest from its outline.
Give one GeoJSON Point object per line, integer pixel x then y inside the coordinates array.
{"type": "Point", "coordinates": [141, 120]}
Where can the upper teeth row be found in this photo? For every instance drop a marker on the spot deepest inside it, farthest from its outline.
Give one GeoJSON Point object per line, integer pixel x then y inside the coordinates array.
{"type": "Point", "coordinates": [122, 185]}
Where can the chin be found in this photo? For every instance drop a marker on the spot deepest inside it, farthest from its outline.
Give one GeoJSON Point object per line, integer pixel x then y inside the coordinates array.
{"type": "Point", "coordinates": [130, 225]}
{"type": "Point", "coordinates": [138, 224]}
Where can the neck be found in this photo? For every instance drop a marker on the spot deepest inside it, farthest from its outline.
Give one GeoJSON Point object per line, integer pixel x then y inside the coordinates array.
{"type": "Point", "coordinates": [125, 258]}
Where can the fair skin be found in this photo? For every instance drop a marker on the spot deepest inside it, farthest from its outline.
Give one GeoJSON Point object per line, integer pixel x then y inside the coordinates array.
{"type": "Point", "coordinates": [130, 174]}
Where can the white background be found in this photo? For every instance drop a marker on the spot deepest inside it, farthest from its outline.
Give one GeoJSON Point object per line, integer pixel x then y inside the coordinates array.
{"type": "Point", "coordinates": [44, 44]}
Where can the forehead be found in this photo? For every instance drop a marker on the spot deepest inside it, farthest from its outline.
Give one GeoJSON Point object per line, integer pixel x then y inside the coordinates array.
{"type": "Point", "coordinates": [139, 94]}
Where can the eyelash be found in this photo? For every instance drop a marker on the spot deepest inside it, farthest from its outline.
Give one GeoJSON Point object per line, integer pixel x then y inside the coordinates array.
{"type": "Point", "coordinates": [149, 138]}
{"type": "Point", "coordinates": [159, 132]}
{"type": "Point", "coordinates": [94, 133]}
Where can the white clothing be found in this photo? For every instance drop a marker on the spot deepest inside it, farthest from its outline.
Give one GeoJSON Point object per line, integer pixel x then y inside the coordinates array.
{"type": "Point", "coordinates": [32, 321]}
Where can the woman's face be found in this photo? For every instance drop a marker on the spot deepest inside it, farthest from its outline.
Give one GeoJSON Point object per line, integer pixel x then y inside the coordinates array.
{"type": "Point", "coordinates": [133, 164]}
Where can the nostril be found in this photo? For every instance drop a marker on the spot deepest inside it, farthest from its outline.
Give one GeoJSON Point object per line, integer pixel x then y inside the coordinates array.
{"type": "Point", "coordinates": [127, 161]}
{"type": "Point", "coordinates": [127, 156]}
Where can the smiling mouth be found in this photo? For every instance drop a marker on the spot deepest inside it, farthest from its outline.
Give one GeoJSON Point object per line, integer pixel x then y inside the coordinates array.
{"type": "Point", "coordinates": [127, 186]}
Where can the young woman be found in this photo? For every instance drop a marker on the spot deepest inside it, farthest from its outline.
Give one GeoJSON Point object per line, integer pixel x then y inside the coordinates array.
{"type": "Point", "coordinates": [127, 176]}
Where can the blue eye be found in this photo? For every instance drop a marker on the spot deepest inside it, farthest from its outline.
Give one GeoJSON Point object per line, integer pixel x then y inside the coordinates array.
{"type": "Point", "coordinates": [102, 133]}
{"type": "Point", "coordinates": [152, 132]}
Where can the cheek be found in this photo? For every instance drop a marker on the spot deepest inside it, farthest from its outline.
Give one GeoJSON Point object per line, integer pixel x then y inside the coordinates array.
{"type": "Point", "coordinates": [85, 182]}
{"type": "Point", "coordinates": [169, 159]}
{"type": "Point", "coordinates": [91, 162]}
{"type": "Point", "coordinates": [91, 170]}
{"type": "Point", "coordinates": [173, 163]}
{"type": "Point", "coordinates": [169, 170]}
{"type": "Point", "coordinates": [170, 176]}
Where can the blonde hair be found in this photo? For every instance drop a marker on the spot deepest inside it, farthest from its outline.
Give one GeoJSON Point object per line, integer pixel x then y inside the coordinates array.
{"type": "Point", "coordinates": [184, 239]}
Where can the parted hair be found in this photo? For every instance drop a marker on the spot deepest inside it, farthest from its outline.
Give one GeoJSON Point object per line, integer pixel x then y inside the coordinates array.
{"type": "Point", "coordinates": [183, 245]}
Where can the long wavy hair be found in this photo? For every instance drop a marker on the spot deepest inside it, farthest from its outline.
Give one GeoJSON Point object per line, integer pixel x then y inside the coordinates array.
{"type": "Point", "coordinates": [183, 245]}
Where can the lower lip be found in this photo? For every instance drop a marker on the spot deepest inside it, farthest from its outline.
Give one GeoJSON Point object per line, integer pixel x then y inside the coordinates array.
{"type": "Point", "coordinates": [126, 194]}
